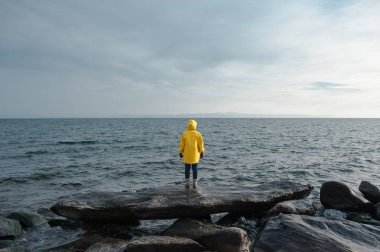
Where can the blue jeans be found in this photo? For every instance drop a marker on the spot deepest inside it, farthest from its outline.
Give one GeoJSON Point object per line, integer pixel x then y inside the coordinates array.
{"type": "Point", "coordinates": [194, 167]}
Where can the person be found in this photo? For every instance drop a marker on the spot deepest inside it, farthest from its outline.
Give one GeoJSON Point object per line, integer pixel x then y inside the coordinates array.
{"type": "Point", "coordinates": [191, 149]}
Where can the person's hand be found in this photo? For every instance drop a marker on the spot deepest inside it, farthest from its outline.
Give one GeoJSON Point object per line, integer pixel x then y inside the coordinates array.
{"type": "Point", "coordinates": [180, 155]}
{"type": "Point", "coordinates": [202, 155]}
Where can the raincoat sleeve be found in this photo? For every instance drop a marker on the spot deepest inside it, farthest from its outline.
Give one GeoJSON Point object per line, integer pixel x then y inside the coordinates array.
{"type": "Point", "coordinates": [181, 144]}
{"type": "Point", "coordinates": [201, 147]}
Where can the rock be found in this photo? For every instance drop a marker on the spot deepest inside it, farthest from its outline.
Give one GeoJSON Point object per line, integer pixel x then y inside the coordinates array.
{"type": "Point", "coordinates": [113, 230]}
{"type": "Point", "coordinates": [147, 243]}
{"type": "Point", "coordinates": [13, 249]}
{"type": "Point", "coordinates": [9, 229]}
{"type": "Point", "coordinates": [28, 218]}
{"type": "Point", "coordinates": [370, 191]}
{"type": "Point", "coordinates": [229, 219]}
{"type": "Point", "coordinates": [340, 196]}
{"type": "Point", "coordinates": [48, 214]}
{"type": "Point", "coordinates": [377, 212]}
{"type": "Point", "coordinates": [173, 202]}
{"type": "Point", "coordinates": [80, 244]}
{"type": "Point", "coordinates": [289, 232]}
{"type": "Point", "coordinates": [108, 245]}
{"type": "Point", "coordinates": [212, 237]}
{"type": "Point", "coordinates": [364, 218]}
{"type": "Point", "coordinates": [334, 214]}
{"type": "Point", "coordinates": [304, 206]}
{"type": "Point", "coordinates": [64, 223]}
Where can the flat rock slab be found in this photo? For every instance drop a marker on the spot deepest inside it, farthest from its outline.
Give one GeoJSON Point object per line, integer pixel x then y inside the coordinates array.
{"type": "Point", "coordinates": [288, 232]}
{"type": "Point", "coordinates": [177, 202]}
{"type": "Point", "coordinates": [148, 243]}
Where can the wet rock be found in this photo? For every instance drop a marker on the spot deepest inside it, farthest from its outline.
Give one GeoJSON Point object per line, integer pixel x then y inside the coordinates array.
{"type": "Point", "coordinates": [370, 191]}
{"type": "Point", "coordinates": [176, 202]}
{"type": "Point", "coordinates": [9, 229]}
{"type": "Point", "coordinates": [108, 245]}
{"type": "Point", "coordinates": [377, 212]}
{"type": "Point", "coordinates": [340, 196]}
{"type": "Point", "coordinates": [48, 214]}
{"type": "Point", "coordinates": [212, 237]}
{"type": "Point", "coordinates": [147, 243]}
{"type": "Point", "coordinates": [288, 232]}
{"type": "Point", "coordinates": [334, 214]}
{"type": "Point", "coordinates": [64, 223]}
{"type": "Point", "coordinates": [13, 249]}
{"type": "Point", "coordinates": [28, 218]}
{"type": "Point", "coordinates": [364, 218]}
{"type": "Point", "coordinates": [80, 244]}
{"type": "Point", "coordinates": [229, 219]}
{"type": "Point", "coordinates": [112, 230]}
{"type": "Point", "coordinates": [304, 206]}
{"type": "Point", "coordinates": [206, 218]}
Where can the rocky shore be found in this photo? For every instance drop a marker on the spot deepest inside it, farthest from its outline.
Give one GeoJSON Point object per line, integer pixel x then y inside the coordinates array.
{"type": "Point", "coordinates": [276, 216]}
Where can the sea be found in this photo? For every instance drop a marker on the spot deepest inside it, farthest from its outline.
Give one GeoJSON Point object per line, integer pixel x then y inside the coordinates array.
{"type": "Point", "coordinates": [45, 160]}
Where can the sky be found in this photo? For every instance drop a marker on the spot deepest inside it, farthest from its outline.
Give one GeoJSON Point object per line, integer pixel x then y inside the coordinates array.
{"type": "Point", "coordinates": [123, 58]}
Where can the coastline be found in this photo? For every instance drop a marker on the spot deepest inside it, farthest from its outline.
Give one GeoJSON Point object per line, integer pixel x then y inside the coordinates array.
{"type": "Point", "coordinates": [255, 229]}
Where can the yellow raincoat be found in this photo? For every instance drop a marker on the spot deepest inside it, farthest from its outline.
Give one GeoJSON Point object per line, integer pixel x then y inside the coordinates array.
{"type": "Point", "coordinates": [191, 144]}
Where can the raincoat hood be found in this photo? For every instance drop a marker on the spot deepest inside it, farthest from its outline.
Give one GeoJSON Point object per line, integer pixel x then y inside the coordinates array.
{"type": "Point", "coordinates": [191, 125]}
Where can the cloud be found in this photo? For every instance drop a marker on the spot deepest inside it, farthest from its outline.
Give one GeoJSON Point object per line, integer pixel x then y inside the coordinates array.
{"type": "Point", "coordinates": [321, 85]}
{"type": "Point", "coordinates": [97, 58]}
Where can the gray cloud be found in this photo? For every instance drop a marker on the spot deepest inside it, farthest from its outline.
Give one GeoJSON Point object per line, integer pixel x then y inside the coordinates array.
{"type": "Point", "coordinates": [111, 58]}
{"type": "Point", "coordinates": [329, 86]}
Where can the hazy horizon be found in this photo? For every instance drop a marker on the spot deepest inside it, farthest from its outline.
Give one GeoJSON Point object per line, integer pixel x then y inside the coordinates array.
{"type": "Point", "coordinates": [199, 116]}
{"type": "Point", "coordinates": [111, 59]}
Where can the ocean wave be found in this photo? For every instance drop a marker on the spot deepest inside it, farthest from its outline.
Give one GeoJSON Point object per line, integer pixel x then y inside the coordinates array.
{"type": "Point", "coordinates": [136, 147]}
{"type": "Point", "coordinates": [242, 177]}
{"type": "Point", "coordinates": [163, 162]}
{"type": "Point", "coordinates": [72, 184]}
{"type": "Point", "coordinates": [44, 176]}
{"type": "Point", "coordinates": [14, 180]}
{"type": "Point", "coordinates": [122, 173]}
{"type": "Point", "coordinates": [31, 178]}
{"type": "Point", "coordinates": [370, 161]}
{"type": "Point", "coordinates": [39, 152]}
{"type": "Point", "coordinates": [77, 142]}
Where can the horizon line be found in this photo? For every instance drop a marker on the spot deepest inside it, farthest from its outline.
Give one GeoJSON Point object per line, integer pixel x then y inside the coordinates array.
{"type": "Point", "coordinates": [185, 117]}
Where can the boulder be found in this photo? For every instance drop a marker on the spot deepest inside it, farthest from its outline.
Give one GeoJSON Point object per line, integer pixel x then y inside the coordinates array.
{"type": "Point", "coordinates": [173, 202]}
{"type": "Point", "coordinates": [304, 206]}
{"type": "Point", "coordinates": [212, 237]}
{"type": "Point", "coordinates": [28, 218]}
{"type": "Point", "coordinates": [370, 191]}
{"type": "Point", "coordinates": [147, 243]}
{"type": "Point", "coordinates": [289, 232]}
{"type": "Point", "coordinates": [338, 195]}
{"type": "Point", "coordinates": [9, 229]}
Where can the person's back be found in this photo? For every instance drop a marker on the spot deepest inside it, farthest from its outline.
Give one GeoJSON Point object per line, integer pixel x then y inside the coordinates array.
{"type": "Point", "coordinates": [191, 148]}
